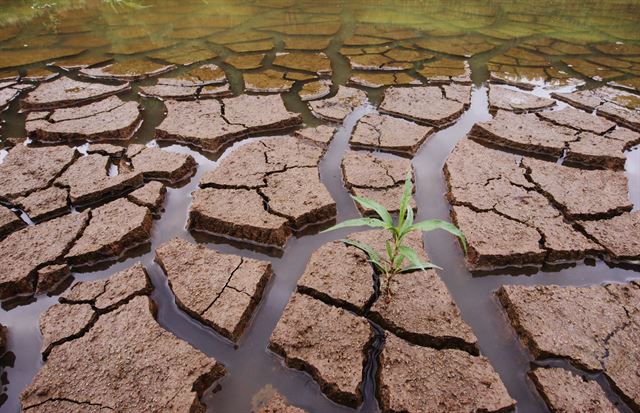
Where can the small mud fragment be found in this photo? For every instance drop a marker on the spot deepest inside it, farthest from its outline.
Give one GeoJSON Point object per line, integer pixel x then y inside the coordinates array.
{"type": "Point", "coordinates": [382, 180]}
{"type": "Point", "coordinates": [315, 90]}
{"type": "Point", "coordinates": [427, 104]}
{"type": "Point", "coordinates": [88, 181]}
{"type": "Point", "coordinates": [332, 348]}
{"type": "Point", "coordinates": [26, 170]}
{"type": "Point", "coordinates": [321, 134]}
{"type": "Point", "coordinates": [245, 62]}
{"type": "Point", "coordinates": [579, 193]}
{"type": "Point", "coordinates": [65, 92]}
{"type": "Point", "coordinates": [114, 228]}
{"type": "Point", "coordinates": [135, 355]}
{"type": "Point", "coordinates": [9, 222]}
{"type": "Point", "coordinates": [464, 46]}
{"type": "Point", "coordinates": [109, 119]}
{"type": "Point", "coordinates": [206, 81]}
{"type": "Point", "coordinates": [151, 195]}
{"type": "Point", "coordinates": [107, 149]}
{"type": "Point", "coordinates": [617, 235]}
{"type": "Point", "coordinates": [184, 54]}
{"type": "Point", "coordinates": [336, 108]}
{"type": "Point", "coordinates": [50, 276]}
{"type": "Point", "coordinates": [340, 275]}
{"type": "Point", "coordinates": [206, 125]}
{"type": "Point", "coordinates": [502, 98]}
{"type": "Point", "coordinates": [220, 290]}
{"type": "Point", "coordinates": [380, 79]}
{"type": "Point", "coordinates": [274, 403]}
{"type": "Point", "coordinates": [564, 391]}
{"type": "Point", "coordinates": [421, 379]}
{"type": "Point", "coordinates": [128, 70]}
{"type": "Point", "coordinates": [23, 252]}
{"type": "Point", "coordinates": [45, 204]}
{"type": "Point", "coordinates": [157, 164]}
{"type": "Point", "coordinates": [388, 133]}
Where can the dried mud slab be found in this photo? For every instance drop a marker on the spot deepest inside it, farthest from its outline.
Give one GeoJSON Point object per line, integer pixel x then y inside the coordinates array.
{"type": "Point", "coordinates": [337, 107]}
{"type": "Point", "coordinates": [317, 63]}
{"type": "Point", "coordinates": [491, 184]}
{"type": "Point", "coordinates": [524, 132]}
{"type": "Point", "coordinates": [113, 228]}
{"type": "Point", "coordinates": [107, 149]}
{"type": "Point", "coordinates": [245, 62]}
{"type": "Point", "coordinates": [380, 79]}
{"type": "Point", "coordinates": [380, 179]}
{"type": "Point", "coordinates": [502, 98]}
{"type": "Point", "coordinates": [579, 193]}
{"type": "Point", "coordinates": [318, 345]}
{"type": "Point", "coordinates": [151, 195]}
{"type": "Point", "coordinates": [202, 123]}
{"type": "Point", "coordinates": [156, 164]}
{"type": "Point", "coordinates": [205, 81]}
{"type": "Point", "coordinates": [389, 134]}
{"type": "Point", "coordinates": [340, 275]}
{"type": "Point", "coordinates": [321, 134]}
{"type": "Point", "coordinates": [184, 54]}
{"type": "Point", "coordinates": [129, 70]}
{"type": "Point", "coordinates": [268, 81]}
{"type": "Point", "coordinates": [426, 104]}
{"type": "Point", "coordinates": [464, 46]}
{"type": "Point", "coordinates": [26, 170]}
{"type": "Point", "coordinates": [595, 328]}
{"type": "Point", "coordinates": [238, 213]}
{"type": "Point", "coordinates": [564, 391]}
{"type": "Point", "coordinates": [64, 322]}
{"type": "Point", "coordinates": [45, 204]}
{"type": "Point", "coordinates": [10, 90]}
{"type": "Point", "coordinates": [220, 290]}
{"type": "Point", "coordinates": [250, 164]}
{"type": "Point", "coordinates": [88, 181]}
{"type": "Point", "coordinates": [600, 151]}
{"type": "Point", "coordinates": [25, 251]}
{"type": "Point", "coordinates": [135, 355]}
{"type": "Point", "coordinates": [421, 379]}
{"type": "Point", "coordinates": [298, 195]}
{"type": "Point", "coordinates": [109, 119]}
{"type": "Point", "coordinates": [65, 92]}
{"type": "Point", "coordinates": [617, 235]}
{"type": "Point", "coordinates": [9, 222]}
{"type": "Point", "coordinates": [105, 295]}
{"type": "Point", "coordinates": [446, 71]}
{"type": "Point", "coordinates": [579, 120]}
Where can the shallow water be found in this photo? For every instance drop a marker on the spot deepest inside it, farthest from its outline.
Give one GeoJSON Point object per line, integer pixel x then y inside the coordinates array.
{"type": "Point", "coordinates": [174, 24]}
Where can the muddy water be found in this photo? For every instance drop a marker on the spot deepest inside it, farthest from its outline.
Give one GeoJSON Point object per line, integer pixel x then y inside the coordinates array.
{"type": "Point", "coordinates": [250, 365]}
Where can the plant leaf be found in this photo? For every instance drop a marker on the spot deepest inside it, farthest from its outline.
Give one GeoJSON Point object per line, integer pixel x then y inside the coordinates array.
{"type": "Point", "coordinates": [406, 197]}
{"type": "Point", "coordinates": [373, 255]}
{"type": "Point", "coordinates": [420, 266]}
{"type": "Point", "coordinates": [406, 224]}
{"type": "Point", "coordinates": [380, 210]}
{"type": "Point", "coordinates": [358, 222]}
{"type": "Point", "coordinates": [413, 258]}
{"type": "Point", "coordinates": [432, 224]}
{"type": "Point", "coordinates": [389, 251]}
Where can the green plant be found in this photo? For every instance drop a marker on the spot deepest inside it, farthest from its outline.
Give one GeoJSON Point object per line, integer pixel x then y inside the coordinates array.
{"type": "Point", "coordinates": [396, 253]}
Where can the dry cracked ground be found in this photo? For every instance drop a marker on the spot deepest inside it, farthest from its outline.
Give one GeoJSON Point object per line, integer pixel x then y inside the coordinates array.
{"type": "Point", "coordinates": [192, 179]}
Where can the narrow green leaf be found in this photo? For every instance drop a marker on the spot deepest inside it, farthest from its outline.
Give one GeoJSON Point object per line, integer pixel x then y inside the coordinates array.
{"type": "Point", "coordinates": [432, 224]}
{"type": "Point", "coordinates": [373, 255]}
{"type": "Point", "coordinates": [413, 258]}
{"type": "Point", "coordinates": [389, 250]}
{"type": "Point", "coordinates": [406, 197]}
{"type": "Point", "coordinates": [420, 266]}
{"type": "Point", "coordinates": [406, 224]}
{"type": "Point", "coordinates": [358, 222]}
{"type": "Point", "coordinates": [378, 208]}
{"type": "Point", "coordinates": [397, 262]}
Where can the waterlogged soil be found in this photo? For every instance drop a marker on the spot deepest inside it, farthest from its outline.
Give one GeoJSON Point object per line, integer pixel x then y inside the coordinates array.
{"type": "Point", "coordinates": [163, 213]}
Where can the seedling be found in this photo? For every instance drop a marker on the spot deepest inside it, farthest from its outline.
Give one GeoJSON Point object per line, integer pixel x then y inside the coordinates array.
{"type": "Point", "coordinates": [393, 263]}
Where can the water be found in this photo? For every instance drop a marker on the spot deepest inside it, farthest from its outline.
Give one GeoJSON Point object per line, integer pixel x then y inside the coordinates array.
{"type": "Point", "coordinates": [101, 27]}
